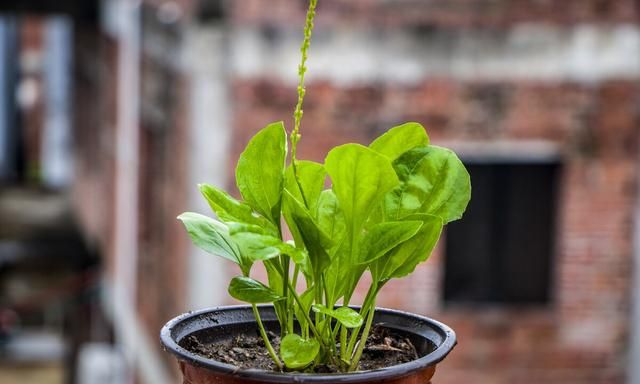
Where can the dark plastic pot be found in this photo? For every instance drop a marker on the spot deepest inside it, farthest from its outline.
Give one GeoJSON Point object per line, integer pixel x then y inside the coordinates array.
{"type": "Point", "coordinates": [433, 341]}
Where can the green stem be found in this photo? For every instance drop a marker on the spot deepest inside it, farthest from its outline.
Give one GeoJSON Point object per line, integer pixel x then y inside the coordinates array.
{"type": "Point", "coordinates": [297, 113]}
{"type": "Point", "coordinates": [289, 301]}
{"type": "Point", "coordinates": [294, 283]}
{"type": "Point", "coordinates": [284, 270]}
{"type": "Point", "coordinates": [363, 338]}
{"type": "Point", "coordinates": [304, 313]}
{"type": "Point", "coordinates": [263, 333]}
{"type": "Point", "coordinates": [368, 309]}
{"type": "Point", "coordinates": [364, 311]}
{"type": "Point", "coordinates": [317, 334]}
{"type": "Point", "coordinates": [318, 299]}
{"type": "Point", "coordinates": [343, 343]}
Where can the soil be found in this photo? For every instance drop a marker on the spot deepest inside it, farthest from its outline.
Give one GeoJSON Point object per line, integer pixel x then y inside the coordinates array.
{"type": "Point", "coordinates": [383, 349]}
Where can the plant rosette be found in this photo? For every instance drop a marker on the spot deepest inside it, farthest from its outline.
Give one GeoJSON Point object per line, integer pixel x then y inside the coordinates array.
{"type": "Point", "coordinates": [377, 209]}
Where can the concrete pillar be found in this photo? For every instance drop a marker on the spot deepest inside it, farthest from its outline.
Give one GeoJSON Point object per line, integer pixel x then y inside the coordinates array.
{"type": "Point", "coordinates": [56, 158]}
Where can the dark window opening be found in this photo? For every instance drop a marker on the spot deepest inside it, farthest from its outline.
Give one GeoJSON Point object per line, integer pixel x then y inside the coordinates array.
{"type": "Point", "coordinates": [501, 251]}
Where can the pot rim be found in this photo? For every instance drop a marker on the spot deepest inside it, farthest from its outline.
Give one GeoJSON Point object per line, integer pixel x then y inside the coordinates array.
{"type": "Point", "coordinates": [395, 371]}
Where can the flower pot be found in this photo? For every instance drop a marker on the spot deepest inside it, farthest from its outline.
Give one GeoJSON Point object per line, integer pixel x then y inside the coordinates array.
{"type": "Point", "coordinates": [432, 340]}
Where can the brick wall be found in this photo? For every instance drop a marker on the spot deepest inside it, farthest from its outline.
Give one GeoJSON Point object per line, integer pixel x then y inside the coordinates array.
{"type": "Point", "coordinates": [582, 335]}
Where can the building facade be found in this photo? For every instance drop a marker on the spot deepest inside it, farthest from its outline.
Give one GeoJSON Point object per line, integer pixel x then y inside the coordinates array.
{"type": "Point", "coordinates": [541, 100]}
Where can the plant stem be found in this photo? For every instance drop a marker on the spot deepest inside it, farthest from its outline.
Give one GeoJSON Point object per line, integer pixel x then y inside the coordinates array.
{"type": "Point", "coordinates": [343, 343]}
{"type": "Point", "coordinates": [304, 313]}
{"type": "Point", "coordinates": [313, 327]}
{"type": "Point", "coordinates": [263, 333]}
{"type": "Point", "coordinates": [364, 310]}
{"type": "Point", "coordinates": [318, 299]}
{"type": "Point", "coordinates": [289, 301]}
{"type": "Point", "coordinates": [297, 113]}
{"type": "Point", "coordinates": [368, 309]}
{"type": "Point", "coordinates": [363, 338]}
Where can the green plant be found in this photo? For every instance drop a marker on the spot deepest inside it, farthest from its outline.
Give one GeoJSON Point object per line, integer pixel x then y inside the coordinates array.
{"type": "Point", "coordinates": [384, 213]}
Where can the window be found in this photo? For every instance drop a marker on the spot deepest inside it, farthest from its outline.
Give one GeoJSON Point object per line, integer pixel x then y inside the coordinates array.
{"type": "Point", "coordinates": [501, 251]}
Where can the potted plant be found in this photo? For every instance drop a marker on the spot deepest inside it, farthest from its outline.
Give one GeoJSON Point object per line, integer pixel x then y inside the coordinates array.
{"type": "Point", "coordinates": [382, 214]}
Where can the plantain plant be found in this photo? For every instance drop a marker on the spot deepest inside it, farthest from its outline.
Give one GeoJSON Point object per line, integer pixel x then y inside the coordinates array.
{"type": "Point", "coordinates": [383, 213]}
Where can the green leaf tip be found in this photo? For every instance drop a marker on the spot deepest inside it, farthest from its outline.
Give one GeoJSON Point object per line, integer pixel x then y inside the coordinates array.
{"type": "Point", "coordinates": [260, 171]}
{"type": "Point", "coordinates": [211, 236]}
{"type": "Point", "coordinates": [400, 139]}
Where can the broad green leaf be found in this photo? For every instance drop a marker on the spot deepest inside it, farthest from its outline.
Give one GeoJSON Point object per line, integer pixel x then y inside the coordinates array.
{"type": "Point", "coordinates": [330, 218]}
{"type": "Point", "coordinates": [400, 139]}
{"type": "Point", "coordinates": [345, 315]}
{"type": "Point", "coordinates": [383, 237]}
{"type": "Point", "coordinates": [229, 209]}
{"type": "Point", "coordinates": [256, 244]}
{"type": "Point", "coordinates": [331, 221]}
{"type": "Point", "coordinates": [211, 236]}
{"type": "Point", "coordinates": [260, 171]}
{"type": "Point", "coordinates": [251, 291]}
{"type": "Point", "coordinates": [403, 259]}
{"type": "Point", "coordinates": [306, 229]}
{"type": "Point", "coordinates": [360, 178]}
{"type": "Point", "coordinates": [311, 176]}
{"type": "Point", "coordinates": [432, 180]}
{"type": "Point", "coordinates": [297, 352]}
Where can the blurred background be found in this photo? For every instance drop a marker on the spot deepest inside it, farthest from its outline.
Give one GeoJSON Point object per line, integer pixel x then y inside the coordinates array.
{"type": "Point", "coordinates": [112, 111]}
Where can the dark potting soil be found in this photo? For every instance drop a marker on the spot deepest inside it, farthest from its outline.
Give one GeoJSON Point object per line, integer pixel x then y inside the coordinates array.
{"type": "Point", "coordinates": [383, 349]}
